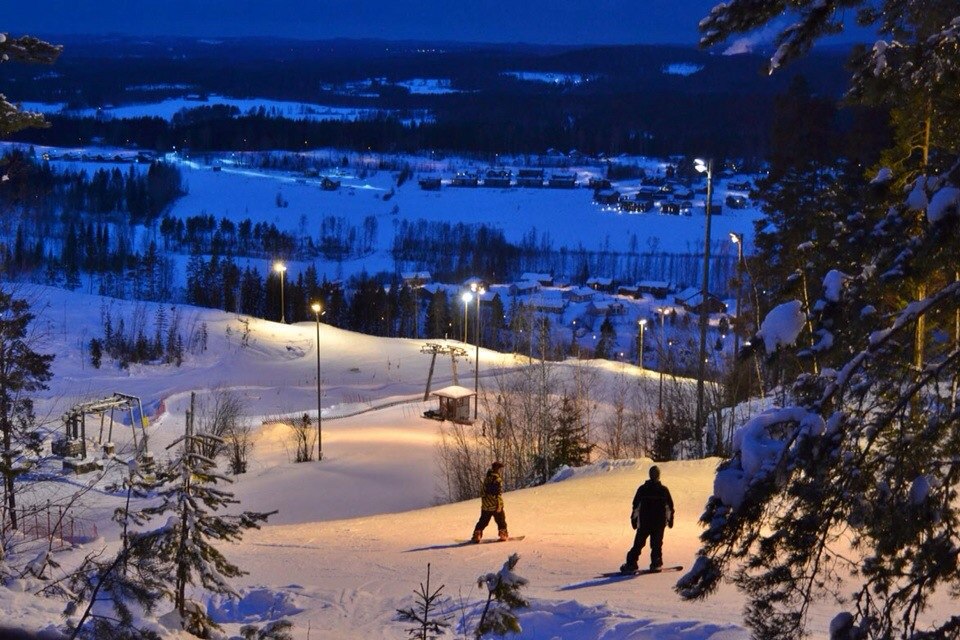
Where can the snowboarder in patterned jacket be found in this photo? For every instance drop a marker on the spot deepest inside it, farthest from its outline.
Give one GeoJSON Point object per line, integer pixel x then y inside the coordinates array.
{"type": "Point", "coordinates": [652, 511]}
{"type": "Point", "coordinates": [491, 504]}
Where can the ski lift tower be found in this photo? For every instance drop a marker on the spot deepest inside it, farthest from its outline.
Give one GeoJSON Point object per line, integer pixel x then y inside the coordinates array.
{"type": "Point", "coordinates": [434, 349]}
{"type": "Point", "coordinates": [73, 446]}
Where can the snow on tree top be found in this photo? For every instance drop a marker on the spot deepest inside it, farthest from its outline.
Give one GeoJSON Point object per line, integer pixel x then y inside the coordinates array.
{"type": "Point", "coordinates": [833, 285]}
{"type": "Point", "coordinates": [782, 325]}
{"type": "Point", "coordinates": [944, 202]}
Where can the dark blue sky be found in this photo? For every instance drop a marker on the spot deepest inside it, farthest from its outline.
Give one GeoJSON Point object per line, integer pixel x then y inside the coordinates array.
{"type": "Point", "coordinates": [534, 21]}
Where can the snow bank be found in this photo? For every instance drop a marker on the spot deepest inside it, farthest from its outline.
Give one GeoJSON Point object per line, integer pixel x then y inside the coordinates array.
{"type": "Point", "coordinates": [257, 604]}
{"type": "Point", "coordinates": [571, 620]}
{"type": "Point", "coordinates": [597, 468]}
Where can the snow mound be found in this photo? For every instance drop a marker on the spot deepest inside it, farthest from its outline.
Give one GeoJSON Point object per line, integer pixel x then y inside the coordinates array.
{"type": "Point", "coordinates": [572, 620]}
{"type": "Point", "coordinates": [597, 468]}
{"type": "Point", "coordinates": [258, 604]}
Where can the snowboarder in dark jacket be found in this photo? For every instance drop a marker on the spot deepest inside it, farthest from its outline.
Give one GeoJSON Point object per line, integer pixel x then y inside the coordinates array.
{"type": "Point", "coordinates": [652, 511]}
{"type": "Point", "coordinates": [491, 504]}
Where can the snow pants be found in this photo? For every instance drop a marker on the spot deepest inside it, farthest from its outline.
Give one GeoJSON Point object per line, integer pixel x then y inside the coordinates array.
{"type": "Point", "coordinates": [656, 546]}
{"type": "Point", "coordinates": [499, 516]}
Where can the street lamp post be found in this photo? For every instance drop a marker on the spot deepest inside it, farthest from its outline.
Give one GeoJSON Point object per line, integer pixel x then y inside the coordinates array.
{"type": "Point", "coordinates": [466, 297]}
{"type": "Point", "coordinates": [702, 167]}
{"type": "Point", "coordinates": [663, 314]}
{"type": "Point", "coordinates": [316, 310]}
{"type": "Point", "coordinates": [281, 268]}
{"type": "Point", "coordinates": [737, 239]}
{"type": "Point", "coordinates": [476, 372]}
{"type": "Point", "coordinates": [642, 322]}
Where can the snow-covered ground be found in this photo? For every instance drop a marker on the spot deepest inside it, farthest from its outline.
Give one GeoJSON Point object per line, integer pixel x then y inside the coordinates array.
{"type": "Point", "coordinates": [355, 532]}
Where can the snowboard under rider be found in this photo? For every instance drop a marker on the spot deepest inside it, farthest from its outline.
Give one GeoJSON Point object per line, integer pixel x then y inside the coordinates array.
{"type": "Point", "coordinates": [491, 504]}
{"type": "Point", "coordinates": [652, 511]}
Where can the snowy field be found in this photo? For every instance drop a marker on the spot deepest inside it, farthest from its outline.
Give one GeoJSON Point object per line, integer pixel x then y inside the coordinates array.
{"type": "Point", "coordinates": [567, 217]}
{"type": "Point", "coordinates": [167, 108]}
{"type": "Point", "coordinates": [355, 532]}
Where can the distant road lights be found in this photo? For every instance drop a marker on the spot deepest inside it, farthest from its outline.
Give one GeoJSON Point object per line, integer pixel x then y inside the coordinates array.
{"type": "Point", "coordinates": [281, 268]}
{"type": "Point", "coordinates": [466, 297]}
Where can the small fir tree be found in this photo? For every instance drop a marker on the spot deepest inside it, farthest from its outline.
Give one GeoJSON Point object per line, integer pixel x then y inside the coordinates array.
{"type": "Point", "coordinates": [503, 599]}
{"type": "Point", "coordinates": [430, 623]}
{"type": "Point", "coordinates": [181, 552]}
{"type": "Point", "coordinates": [570, 444]}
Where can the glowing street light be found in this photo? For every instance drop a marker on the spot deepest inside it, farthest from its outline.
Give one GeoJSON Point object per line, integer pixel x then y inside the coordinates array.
{"type": "Point", "coordinates": [663, 314]}
{"type": "Point", "coordinates": [642, 323]}
{"type": "Point", "coordinates": [476, 371]}
{"type": "Point", "coordinates": [316, 310]}
{"type": "Point", "coordinates": [466, 297]}
{"type": "Point", "coordinates": [704, 167]}
{"type": "Point", "coordinates": [737, 239]}
{"type": "Point", "coordinates": [281, 268]}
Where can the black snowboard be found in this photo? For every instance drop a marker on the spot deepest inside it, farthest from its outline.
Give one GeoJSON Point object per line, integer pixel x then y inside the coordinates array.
{"type": "Point", "coordinates": [487, 540]}
{"type": "Point", "coordinates": [641, 572]}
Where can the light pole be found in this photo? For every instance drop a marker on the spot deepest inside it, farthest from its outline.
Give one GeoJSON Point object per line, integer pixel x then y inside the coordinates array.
{"type": "Point", "coordinates": [476, 372]}
{"type": "Point", "coordinates": [663, 314]}
{"type": "Point", "coordinates": [316, 310]}
{"type": "Point", "coordinates": [466, 297]}
{"type": "Point", "coordinates": [281, 268]}
{"type": "Point", "coordinates": [702, 167]}
{"type": "Point", "coordinates": [737, 239]}
{"type": "Point", "coordinates": [642, 323]}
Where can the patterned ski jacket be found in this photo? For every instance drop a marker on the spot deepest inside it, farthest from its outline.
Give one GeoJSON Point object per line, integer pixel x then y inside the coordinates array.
{"type": "Point", "coordinates": [492, 499]}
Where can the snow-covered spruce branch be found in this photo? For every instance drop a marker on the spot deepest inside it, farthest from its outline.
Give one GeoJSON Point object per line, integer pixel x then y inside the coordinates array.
{"type": "Point", "coordinates": [759, 470]}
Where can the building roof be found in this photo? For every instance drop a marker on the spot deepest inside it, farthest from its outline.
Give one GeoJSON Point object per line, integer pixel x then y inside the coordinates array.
{"type": "Point", "coordinates": [454, 391]}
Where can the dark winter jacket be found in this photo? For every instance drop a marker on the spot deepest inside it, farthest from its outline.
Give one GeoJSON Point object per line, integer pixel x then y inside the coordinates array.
{"type": "Point", "coordinates": [652, 506]}
{"type": "Point", "coordinates": [492, 492]}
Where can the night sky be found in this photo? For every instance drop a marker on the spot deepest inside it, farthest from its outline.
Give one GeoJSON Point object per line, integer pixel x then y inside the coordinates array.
{"type": "Point", "coordinates": [531, 21]}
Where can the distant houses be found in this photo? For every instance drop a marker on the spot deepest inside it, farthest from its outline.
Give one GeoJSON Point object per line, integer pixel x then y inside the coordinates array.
{"type": "Point", "coordinates": [497, 178]}
{"type": "Point", "coordinates": [431, 183]}
{"type": "Point", "coordinates": [607, 285]}
{"type": "Point", "coordinates": [464, 179]}
{"type": "Point", "coordinates": [562, 181]}
{"type": "Point", "coordinates": [530, 178]}
{"type": "Point", "coordinates": [416, 278]}
{"type": "Point", "coordinates": [545, 279]}
{"type": "Point", "coordinates": [691, 300]}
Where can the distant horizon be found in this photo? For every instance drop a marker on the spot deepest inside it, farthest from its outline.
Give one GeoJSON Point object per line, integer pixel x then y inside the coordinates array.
{"type": "Point", "coordinates": [829, 43]}
{"type": "Point", "coordinates": [574, 23]}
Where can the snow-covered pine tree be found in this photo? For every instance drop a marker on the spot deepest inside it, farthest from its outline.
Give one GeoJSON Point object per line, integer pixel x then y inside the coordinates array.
{"type": "Point", "coordinates": [29, 50]}
{"type": "Point", "coordinates": [22, 372]}
{"type": "Point", "coordinates": [852, 483]}
{"type": "Point", "coordinates": [503, 599]}
{"type": "Point", "coordinates": [181, 551]}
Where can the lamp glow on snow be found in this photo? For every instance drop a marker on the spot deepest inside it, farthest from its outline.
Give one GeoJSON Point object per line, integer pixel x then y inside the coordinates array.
{"type": "Point", "coordinates": [281, 268]}
{"type": "Point", "coordinates": [316, 308]}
